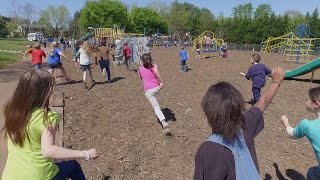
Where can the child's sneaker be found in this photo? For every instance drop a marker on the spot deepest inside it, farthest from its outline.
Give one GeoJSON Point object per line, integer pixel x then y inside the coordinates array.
{"type": "Point", "coordinates": [104, 72]}
{"type": "Point", "coordinates": [85, 85]}
{"type": "Point", "coordinates": [166, 129]}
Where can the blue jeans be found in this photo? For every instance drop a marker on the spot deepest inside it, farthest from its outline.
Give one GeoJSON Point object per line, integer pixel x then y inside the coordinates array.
{"type": "Point", "coordinates": [69, 169]}
{"type": "Point", "coordinates": [184, 65]}
{"type": "Point", "coordinates": [313, 173]}
{"type": "Point", "coordinates": [256, 94]}
{"type": "Point", "coordinates": [105, 64]}
{"type": "Point", "coordinates": [37, 66]}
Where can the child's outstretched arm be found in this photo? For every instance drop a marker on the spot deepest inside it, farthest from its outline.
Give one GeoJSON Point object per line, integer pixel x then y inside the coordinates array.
{"type": "Point", "coordinates": [25, 53]}
{"type": "Point", "coordinates": [61, 54]}
{"type": "Point", "coordinates": [51, 151]}
{"type": "Point", "coordinates": [289, 129]}
{"type": "Point", "coordinates": [268, 94]}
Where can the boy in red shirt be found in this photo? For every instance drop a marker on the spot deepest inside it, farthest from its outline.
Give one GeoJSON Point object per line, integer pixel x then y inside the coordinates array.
{"type": "Point", "coordinates": [127, 55]}
{"type": "Point", "coordinates": [37, 54]}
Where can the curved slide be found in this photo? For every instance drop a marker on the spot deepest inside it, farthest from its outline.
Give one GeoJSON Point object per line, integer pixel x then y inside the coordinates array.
{"type": "Point", "coordinates": [304, 69]}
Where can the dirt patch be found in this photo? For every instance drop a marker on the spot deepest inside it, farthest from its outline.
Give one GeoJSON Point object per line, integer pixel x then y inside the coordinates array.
{"type": "Point", "coordinates": [118, 120]}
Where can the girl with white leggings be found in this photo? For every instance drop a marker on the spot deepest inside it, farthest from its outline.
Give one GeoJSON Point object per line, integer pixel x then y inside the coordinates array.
{"type": "Point", "coordinates": [152, 84]}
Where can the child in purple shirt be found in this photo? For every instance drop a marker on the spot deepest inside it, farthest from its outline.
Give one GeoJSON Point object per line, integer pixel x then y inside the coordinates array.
{"type": "Point", "coordinates": [257, 73]}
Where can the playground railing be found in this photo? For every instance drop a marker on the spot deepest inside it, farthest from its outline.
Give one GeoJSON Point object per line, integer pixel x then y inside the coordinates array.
{"type": "Point", "coordinates": [244, 47]}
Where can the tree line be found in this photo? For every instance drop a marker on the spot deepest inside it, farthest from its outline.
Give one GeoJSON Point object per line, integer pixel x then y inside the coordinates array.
{"type": "Point", "coordinates": [246, 25]}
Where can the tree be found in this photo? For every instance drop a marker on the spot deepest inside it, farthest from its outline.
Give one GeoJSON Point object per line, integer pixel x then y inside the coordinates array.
{"type": "Point", "coordinates": [242, 11]}
{"type": "Point", "coordinates": [262, 10]}
{"type": "Point", "coordinates": [4, 31]}
{"type": "Point", "coordinates": [15, 12]}
{"type": "Point", "coordinates": [56, 18]}
{"type": "Point", "coordinates": [28, 10]}
{"type": "Point", "coordinates": [147, 18]}
{"type": "Point", "coordinates": [161, 7]}
{"type": "Point", "coordinates": [74, 25]}
{"type": "Point", "coordinates": [179, 18]}
{"type": "Point", "coordinates": [103, 13]}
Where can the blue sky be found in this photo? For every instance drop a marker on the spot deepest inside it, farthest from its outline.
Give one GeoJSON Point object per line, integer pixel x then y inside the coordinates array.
{"type": "Point", "coordinates": [216, 6]}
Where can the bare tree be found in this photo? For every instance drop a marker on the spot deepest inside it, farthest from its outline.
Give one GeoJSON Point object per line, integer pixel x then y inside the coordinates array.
{"type": "Point", "coordinates": [28, 10]}
{"type": "Point", "coordinates": [56, 18]}
{"type": "Point", "coordinates": [15, 12]}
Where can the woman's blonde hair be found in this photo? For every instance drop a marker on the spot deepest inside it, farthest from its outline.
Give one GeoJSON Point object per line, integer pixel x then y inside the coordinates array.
{"type": "Point", "coordinates": [53, 45]}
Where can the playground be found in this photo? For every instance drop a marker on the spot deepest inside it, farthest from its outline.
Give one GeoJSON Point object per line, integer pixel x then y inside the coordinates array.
{"type": "Point", "coordinates": [114, 127]}
{"type": "Point", "coordinates": [121, 124]}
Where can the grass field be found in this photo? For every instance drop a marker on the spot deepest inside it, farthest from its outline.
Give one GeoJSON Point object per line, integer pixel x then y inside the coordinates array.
{"type": "Point", "coordinates": [11, 45]}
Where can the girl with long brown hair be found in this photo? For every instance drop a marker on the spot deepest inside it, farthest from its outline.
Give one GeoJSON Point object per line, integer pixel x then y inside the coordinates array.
{"type": "Point", "coordinates": [30, 129]}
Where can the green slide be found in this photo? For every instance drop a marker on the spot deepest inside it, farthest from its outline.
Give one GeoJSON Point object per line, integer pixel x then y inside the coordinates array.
{"type": "Point", "coordinates": [304, 69]}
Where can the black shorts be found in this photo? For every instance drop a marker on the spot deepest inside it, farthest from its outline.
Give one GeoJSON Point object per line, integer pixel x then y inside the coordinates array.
{"type": "Point", "coordinates": [54, 66]}
{"type": "Point", "coordinates": [84, 67]}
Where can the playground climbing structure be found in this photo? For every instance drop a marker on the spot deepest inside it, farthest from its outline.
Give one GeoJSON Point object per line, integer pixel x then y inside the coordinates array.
{"type": "Point", "coordinates": [207, 40]}
{"type": "Point", "coordinates": [297, 45]}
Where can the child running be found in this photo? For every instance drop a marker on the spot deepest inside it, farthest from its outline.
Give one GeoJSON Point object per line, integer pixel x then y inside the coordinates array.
{"type": "Point", "coordinates": [257, 73]}
{"type": "Point", "coordinates": [37, 54]}
{"type": "Point", "coordinates": [104, 60]}
{"type": "Point", "coordinates": [198, 52]}
{"type": "Point", "coordinates": [85, 62]}
{"type": "Point", "coordinates": [152, 84]}
{"type": "Point", "coordinates": [224, 50]}
{"type": "Point", "coordinates": [309, 128]}
{"type": "Point", "coordinates": [30, 129]}
{"type": "Point", "coordinates": [54, 60]}
{"type": "Point", "coordinates": [127, 55]}
{"type": "Point", "coordinates": [184, 56]}
{"type": "Point", "coordinates": [229, 152]}
{"type": "Point", "coordinates": [75, 51]}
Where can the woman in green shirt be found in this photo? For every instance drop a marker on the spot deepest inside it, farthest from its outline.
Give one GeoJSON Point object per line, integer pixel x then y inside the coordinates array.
{"type": "Point", "coordinates": [30, 129]}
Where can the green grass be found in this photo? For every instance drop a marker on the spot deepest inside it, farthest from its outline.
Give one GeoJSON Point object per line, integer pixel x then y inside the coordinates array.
{"type": "Point", "coordinates": [12, 45]}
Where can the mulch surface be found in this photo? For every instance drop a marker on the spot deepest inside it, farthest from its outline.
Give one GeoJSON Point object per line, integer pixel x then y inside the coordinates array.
{"type": "Point", "coordinates": [119, 122]}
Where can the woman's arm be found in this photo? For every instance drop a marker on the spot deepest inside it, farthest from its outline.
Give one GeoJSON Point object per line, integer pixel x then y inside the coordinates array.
{"type": "Point", "coordinates": [268, 94]}
{"type": "Point", "coordinates": [51, 151]}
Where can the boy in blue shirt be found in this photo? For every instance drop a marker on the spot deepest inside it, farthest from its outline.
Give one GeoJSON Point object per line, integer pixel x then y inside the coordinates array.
{"type": "Point", "coordinates": [257, 73]}
{"type": "Point", "coordinates": [308, 128]}
{"type": "Point", "coordinates": [184, 56]}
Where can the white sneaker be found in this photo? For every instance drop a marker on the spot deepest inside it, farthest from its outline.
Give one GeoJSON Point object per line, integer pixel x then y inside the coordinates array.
{"type": "Point", "coordinates": [104, 72]}
{"type": "Point", "coordinates": [164, 124]}
{"type": "Point", "coordinates": [166, 129]}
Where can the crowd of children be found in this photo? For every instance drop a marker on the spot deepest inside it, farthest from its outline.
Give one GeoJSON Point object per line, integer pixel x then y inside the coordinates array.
{"type": "Point", "coordinates": [228, 153]}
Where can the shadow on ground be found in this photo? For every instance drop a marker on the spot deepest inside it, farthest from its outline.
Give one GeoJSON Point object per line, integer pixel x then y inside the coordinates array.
{"type": "Point", "coordinates": [291, 173]}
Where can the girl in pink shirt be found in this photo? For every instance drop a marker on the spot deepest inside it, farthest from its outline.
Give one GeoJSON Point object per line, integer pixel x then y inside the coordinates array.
{"type": "Point", "coordinates": [152, 84]}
